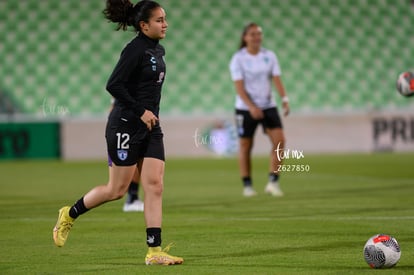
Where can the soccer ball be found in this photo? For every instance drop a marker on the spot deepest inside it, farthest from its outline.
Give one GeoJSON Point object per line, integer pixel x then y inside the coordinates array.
{"type": "Point", "coordinates": [405, 83]}
{"type": "Point", "coordinates": [382, 251]}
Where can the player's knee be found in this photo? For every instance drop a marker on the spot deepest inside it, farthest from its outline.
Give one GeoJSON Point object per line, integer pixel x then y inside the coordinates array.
{"type": "Point", "coordinates": [279, 143]}
{"type": "Point", "coordinates": [156, 185]}
{"type": "Point", "coordinates": [116, 193]}
{"type": "Point", "coordinates": [246, 147]}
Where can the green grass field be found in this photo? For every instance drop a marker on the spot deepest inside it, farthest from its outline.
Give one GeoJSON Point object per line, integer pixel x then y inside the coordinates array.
{"type": "Point", "coordinates": [319, 227]}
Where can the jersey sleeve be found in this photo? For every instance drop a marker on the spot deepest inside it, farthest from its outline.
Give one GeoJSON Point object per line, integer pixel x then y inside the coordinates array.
{"type": "Point", "coordinates": [117, 82]}
{"type": "Point", "coordinates": [236, 71]}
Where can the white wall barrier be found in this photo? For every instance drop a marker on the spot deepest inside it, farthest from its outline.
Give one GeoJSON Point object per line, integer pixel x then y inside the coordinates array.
{"type": "Point", "coordinates": [191, 137]}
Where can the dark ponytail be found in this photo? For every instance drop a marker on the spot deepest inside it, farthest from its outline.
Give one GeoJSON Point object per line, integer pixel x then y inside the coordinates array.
{"type": "Point", "coordinates": [126, 14]}
{"type": "Point", "coordinates": [119, 11]}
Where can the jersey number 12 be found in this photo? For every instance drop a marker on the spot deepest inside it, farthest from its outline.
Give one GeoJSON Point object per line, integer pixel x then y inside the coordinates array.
{"type": "Point", "coordinates": [123, 139]}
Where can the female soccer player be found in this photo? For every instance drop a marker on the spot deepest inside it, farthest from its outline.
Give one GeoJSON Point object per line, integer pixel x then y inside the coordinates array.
{"type": "Point", "coordinates": [253, 69]}
{"type": "Point", "coordinates": [133, 133]}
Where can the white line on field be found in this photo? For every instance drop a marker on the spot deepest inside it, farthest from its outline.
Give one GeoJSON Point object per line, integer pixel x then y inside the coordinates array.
{"type": "Point", "coordinates": [356, 218]}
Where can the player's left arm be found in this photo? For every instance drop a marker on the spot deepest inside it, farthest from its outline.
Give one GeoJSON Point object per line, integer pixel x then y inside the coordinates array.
{"type": "Point", "coordinates": [277, 81]}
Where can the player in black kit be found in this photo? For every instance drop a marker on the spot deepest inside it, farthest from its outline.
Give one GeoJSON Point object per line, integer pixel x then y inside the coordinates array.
{"type": "Point", "coordinates": [133, 133]}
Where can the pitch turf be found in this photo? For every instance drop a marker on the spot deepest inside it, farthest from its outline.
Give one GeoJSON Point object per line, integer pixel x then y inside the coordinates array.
{"type": "Point", "coordinates": [318, 227]}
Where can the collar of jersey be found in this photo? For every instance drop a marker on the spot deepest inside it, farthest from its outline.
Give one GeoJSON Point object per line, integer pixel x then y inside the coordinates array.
{"type": "Point", "coordinates": [153, 42]}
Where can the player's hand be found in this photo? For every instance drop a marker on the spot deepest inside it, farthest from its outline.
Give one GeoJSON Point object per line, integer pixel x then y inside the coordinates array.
{"type": "Point", "coordinates": [149, 119]}
{"type": "Point", "coordinates": [286, 108]}
{"type": "Point", "coordinates": [256, 113]}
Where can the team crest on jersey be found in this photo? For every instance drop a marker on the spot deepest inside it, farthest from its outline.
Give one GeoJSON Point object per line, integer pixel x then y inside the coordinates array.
{"type": "Point", "coordinates": [122, 154]}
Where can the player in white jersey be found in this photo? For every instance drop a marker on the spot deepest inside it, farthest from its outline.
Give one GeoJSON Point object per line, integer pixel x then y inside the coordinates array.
{"type": "Point", "coordinates": [253, 69]}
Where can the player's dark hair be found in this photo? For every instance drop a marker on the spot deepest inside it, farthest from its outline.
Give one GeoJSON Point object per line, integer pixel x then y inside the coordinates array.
{"type": "Point", "coordinates": [127, 14]}
{"type": "Point", "coordinates": [245, 30]}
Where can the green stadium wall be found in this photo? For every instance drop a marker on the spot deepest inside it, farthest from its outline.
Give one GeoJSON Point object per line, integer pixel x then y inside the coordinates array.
{"type": "Point", "coordinates": [336, 56]}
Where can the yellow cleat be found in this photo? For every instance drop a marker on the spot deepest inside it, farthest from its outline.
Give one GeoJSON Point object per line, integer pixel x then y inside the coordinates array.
{"type": "Point", "coordinates": [158, 256]}
{"type": "Point", "coordinates": [62, 227]}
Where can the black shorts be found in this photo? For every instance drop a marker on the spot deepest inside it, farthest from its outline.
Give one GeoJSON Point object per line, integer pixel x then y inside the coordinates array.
{"type": "Point", "coordinates": [246, 125]}
{"type": "Point", "coordinates": [128, 139]}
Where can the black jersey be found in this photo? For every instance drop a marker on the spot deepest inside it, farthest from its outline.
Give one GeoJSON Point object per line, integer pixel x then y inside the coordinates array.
{"type": "Point", "coordinates": [136, 80]}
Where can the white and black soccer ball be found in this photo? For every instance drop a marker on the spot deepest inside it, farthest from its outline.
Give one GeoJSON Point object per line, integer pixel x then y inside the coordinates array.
{"type": "Point", "coordinates": [405, 84]}
{"type": "Point", "coordinates": [382, 251]}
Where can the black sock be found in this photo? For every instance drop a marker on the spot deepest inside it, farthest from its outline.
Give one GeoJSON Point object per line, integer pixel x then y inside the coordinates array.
{"type": "Point", "coordinates": [273, 177]}
{"type": "Point", "coordinates": [154, 236]}
{"type": "Point", "coordinates": [77, 209]}
{"type": "Point", "coordinates": [247, 181]}
{"type": "Point", "coordinates": [132, 192]}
